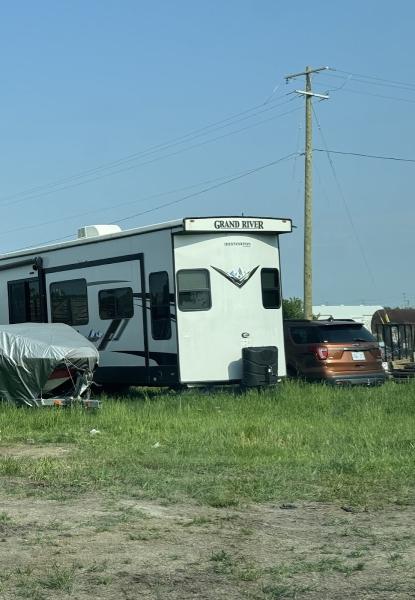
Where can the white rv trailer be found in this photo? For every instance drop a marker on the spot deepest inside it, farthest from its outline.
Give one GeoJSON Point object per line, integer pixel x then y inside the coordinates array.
{"type": "Point", "coordinates": [166, 304]}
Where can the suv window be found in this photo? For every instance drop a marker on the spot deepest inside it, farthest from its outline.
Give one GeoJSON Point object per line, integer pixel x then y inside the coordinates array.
{"type": "Point", "coordinates": [344, 333]}
{"type": "Point", "coordinates": [305, 335]}
{"type": "Point", "coordinates": [326, 334]}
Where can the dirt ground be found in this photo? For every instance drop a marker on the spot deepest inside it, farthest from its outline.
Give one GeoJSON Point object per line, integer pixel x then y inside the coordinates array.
{"type": "Point", "coordinates": [105, 548]}
{"type": "Point", "coordinates": [109, 547]}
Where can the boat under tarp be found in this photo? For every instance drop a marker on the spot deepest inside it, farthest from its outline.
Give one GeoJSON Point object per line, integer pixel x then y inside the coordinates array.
{"type": "Point", "coordinates": [36, 357]}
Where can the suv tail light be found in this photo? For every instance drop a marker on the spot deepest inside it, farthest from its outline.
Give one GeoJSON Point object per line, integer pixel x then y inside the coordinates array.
{"type": "Point", "coordinates": [320, 352]}
{"type": "Point", "coordinates": [377, 353]}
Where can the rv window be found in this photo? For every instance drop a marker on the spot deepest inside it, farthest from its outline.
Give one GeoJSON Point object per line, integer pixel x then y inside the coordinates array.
{"type": "Point", "coordinates": [69, 302]}
{"type": "Point", "coordinates": [270, 284]}
{"type": "Point", "coordinates": [116, 303]}
{"type": "Point", "coordinates": [24, 301]}
{"type": "Point", "coordinates": [160, 306]}
{"type": "Point", "coordinates": [194, 289]}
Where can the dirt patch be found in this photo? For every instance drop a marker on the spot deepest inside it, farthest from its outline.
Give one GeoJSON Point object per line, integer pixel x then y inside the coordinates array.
{"type": "Point", "coordinates": [109, 548]}
{"type": "Point", "coordinates": [35, 452]}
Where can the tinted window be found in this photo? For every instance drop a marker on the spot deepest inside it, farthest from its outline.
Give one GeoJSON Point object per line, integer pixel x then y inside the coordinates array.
{"type": "Point", "coordinates": [344, 333]}
{"type": "Point", "coordinates": [270, 284]}
{"type": "Point", "coordinates": [330, 334]}
{"type": "Point", "coordinates": [116, 303]}
{"type": "Point", "coordinates": [24, 301]}
{"type": "Point", "coordinates": [69, 302]}
{"type": "Point", "coordinates": [305, 335]}
{"type": "Point", "coordinates": [160, 306]}
{"type": "Point", "coordinates": [194, 289]}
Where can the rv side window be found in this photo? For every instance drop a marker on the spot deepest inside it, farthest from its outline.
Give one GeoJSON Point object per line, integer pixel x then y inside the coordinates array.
{"type": "Point", "coordinates": [160, 305]}
{"type": "Point", "coordinates": [69, 302]}
{"type": "Point", "coordinates": [116, 303]}
{"type": "Point", "coordinates": [270, 284]}
{"type": "Point", "coordinates": [24, 301]}
{"type": "Point", "coordinates": [194, 289]}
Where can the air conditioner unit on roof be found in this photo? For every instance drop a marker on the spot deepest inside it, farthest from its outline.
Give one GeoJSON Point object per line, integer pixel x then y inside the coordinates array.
{"type": "Point", "coordinates": [97, 230]}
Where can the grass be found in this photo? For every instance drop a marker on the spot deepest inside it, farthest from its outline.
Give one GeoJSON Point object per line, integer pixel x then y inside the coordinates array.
{"type": "Point", "coordinates": [295, 442]}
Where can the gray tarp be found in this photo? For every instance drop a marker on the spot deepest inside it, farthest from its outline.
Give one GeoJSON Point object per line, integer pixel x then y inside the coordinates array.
{"type": "Point", "coordinates": [30, 352]}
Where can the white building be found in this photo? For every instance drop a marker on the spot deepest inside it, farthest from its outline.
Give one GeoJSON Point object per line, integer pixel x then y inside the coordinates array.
{"type": "Point", "coordinates": [360, 313]}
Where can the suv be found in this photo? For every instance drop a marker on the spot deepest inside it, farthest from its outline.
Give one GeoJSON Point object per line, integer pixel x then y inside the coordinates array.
{"type": "Point", "coordinates": [339, 352]}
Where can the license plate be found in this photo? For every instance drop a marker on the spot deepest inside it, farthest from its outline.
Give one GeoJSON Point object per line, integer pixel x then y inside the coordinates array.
{"type": "Point", "coordinates": [358, 355]}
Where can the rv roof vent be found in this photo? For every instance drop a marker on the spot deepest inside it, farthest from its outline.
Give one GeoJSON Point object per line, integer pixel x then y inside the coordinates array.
{"type": "Point", "coordinates": [95, 230]}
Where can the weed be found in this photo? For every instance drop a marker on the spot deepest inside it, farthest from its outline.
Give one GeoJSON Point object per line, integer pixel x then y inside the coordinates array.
{"type": "Point", "coordinates": [223, 562]}
{"type": "Point", "coordinates": [246, 531]}
{"type": "Point", "coordinates": [59, 577]}
{"type": "Point", "coordinates": [97, 567]}
{"type": "Point", "coordinates": [143, 535]}
{"type": "Point", "coordinates": [395, 557]}
{"type": "Point", "coordinates": [248, 572]}
{"type": "Point", "coordinates": [277, 592]}
{"type": "Point", "coordinates": [355, 554]}
{"type": "Point", "coordinates": [221, 556]}
{"type": "Point", "coordinates": [100, 580]}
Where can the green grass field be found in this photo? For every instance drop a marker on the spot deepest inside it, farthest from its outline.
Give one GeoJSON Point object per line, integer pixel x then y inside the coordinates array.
{"type": "Point", "coordinates": [295, 442]}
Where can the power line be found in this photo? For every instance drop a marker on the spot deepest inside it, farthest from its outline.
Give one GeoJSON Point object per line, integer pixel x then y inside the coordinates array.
{"type": "Point", "coordinates": [361, 154]}
{"type": "Point", "coordinates": [193, 134]}
{"type": "Point", "coordinates": [343, 197]}
{"type": "Point", "coordinates": [118, 205]}
{"type": "Point", "coordinates": [380, 79]}
{"type": "Point", "coordinates": [156, 158]}
{"type": "Point", "coordinates": [208, 189]}
{"type": "Point", "coordinates": [111, 207]}
{"type": "Point", "coordinates": [228, 179]}
{"type": "Point", "coordinates": [363, 93]}
{"type": "Point", "coordinates": [358, 80]}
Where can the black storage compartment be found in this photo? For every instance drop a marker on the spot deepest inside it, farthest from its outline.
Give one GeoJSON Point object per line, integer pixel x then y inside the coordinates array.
{"type": "Point", "coordinates": [259, 366]}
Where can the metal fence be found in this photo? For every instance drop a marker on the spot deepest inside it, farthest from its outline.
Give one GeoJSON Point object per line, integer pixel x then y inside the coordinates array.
{"type": "Point", "coordinates": [397, 340]}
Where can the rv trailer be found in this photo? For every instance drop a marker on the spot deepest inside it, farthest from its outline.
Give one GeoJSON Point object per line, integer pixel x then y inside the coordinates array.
{"type": "Point", "coordinates": [179, 303]}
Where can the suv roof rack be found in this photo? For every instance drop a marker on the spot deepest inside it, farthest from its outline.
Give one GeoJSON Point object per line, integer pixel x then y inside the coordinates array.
{"type": "Point", "coordinates": [318, 322]}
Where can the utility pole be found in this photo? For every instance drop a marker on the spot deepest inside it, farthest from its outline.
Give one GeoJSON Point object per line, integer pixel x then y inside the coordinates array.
{"type": "Point", "coordinates": [308, 185]}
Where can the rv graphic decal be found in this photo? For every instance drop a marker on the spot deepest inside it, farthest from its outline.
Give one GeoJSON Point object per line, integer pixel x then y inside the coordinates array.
{"type": "Point", "coordinates": [237, 276]}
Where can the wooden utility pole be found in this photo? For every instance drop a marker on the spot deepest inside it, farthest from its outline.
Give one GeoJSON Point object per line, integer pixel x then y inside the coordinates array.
{"type": "Point", "coordinates": [308, 186]}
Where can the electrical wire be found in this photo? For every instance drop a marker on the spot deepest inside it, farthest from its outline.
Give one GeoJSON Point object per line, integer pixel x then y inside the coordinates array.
{"type": "Point", "coordinates": [349, 79]}
{"type": "Point", "coordinates": [378, 79]}
{"type": "Point", "coordinates": [362, 155]}
{"type": "Point", "coordinates": [193, 134]}
{"type": "Point", "coordinates": [118, 205]}
{"type": "Point", "coordinates": [364, 93]}
{"type": "Point", "coordinates": [343, 197]}
{"type": "Point", "coordinates": [208, 189]}
{"type": "Point", "coordinates": [228, 180]}
{"type": "Point", "coordinates": [155, 159]}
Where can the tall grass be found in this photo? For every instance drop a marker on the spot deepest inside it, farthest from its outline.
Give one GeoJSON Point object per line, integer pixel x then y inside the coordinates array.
{"type": "Point", "coordinates": [295, 442]}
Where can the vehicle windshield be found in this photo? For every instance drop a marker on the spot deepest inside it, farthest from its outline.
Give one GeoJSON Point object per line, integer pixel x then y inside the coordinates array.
{"type": "Point", "coordinates": [344, 334]}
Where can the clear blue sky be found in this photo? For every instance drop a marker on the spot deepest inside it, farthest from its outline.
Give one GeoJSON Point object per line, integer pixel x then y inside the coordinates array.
{"type": "Point", "coordinates": [85, 83]}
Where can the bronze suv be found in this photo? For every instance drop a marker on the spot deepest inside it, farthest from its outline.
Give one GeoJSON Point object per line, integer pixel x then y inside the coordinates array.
{"type": "Point", "coordinates": [337, 352]}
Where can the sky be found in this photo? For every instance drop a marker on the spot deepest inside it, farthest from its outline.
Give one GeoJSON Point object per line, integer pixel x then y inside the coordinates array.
{"type": "Point", "coordinates": [127, 111]}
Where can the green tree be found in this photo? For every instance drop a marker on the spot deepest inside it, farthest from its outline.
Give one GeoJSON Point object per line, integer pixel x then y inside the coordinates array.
{"type": "Point", "coordinates": [293, 308]}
